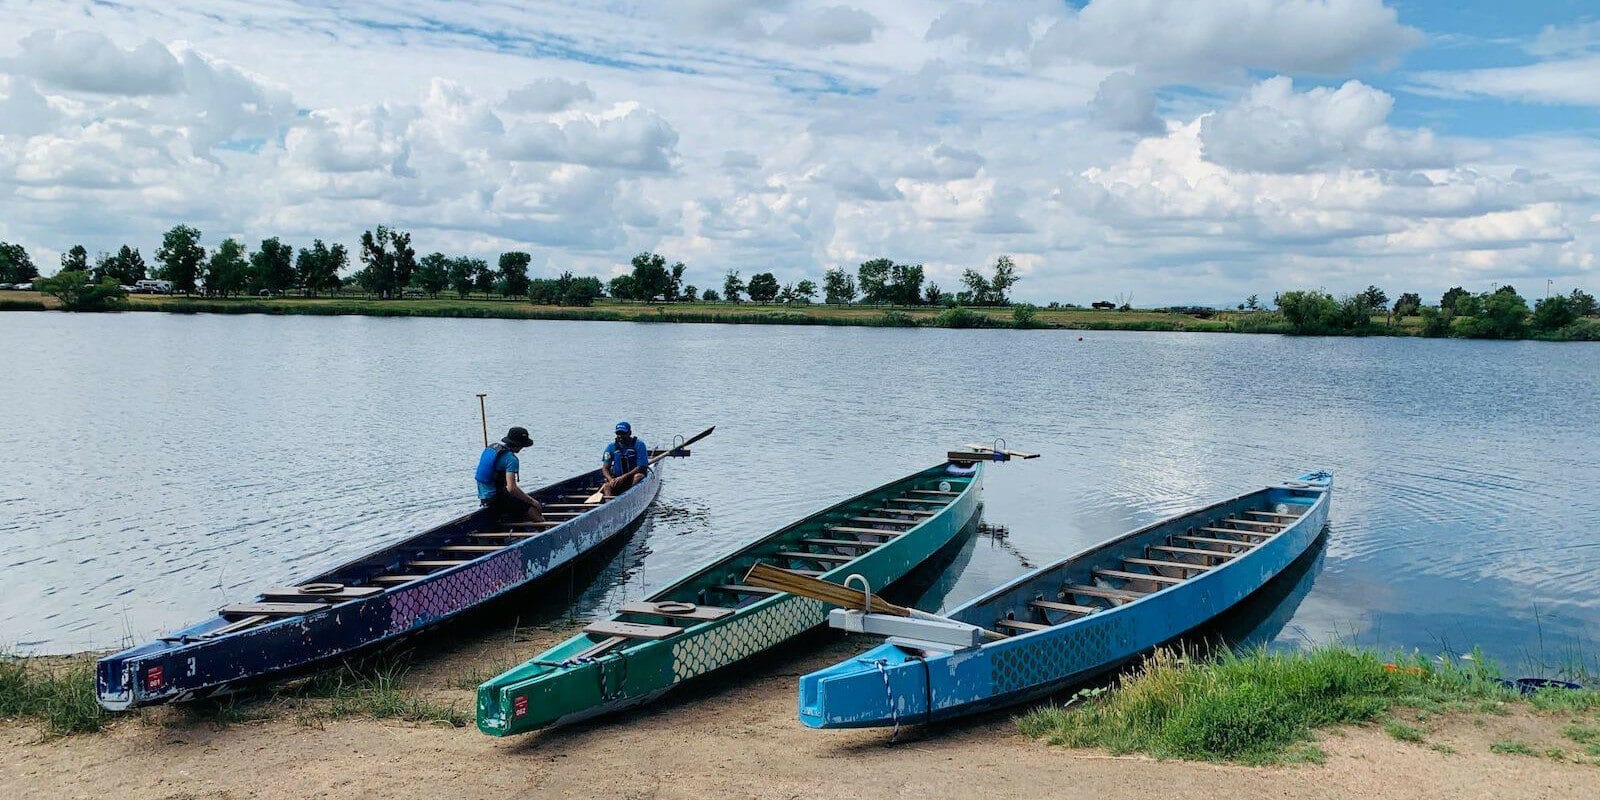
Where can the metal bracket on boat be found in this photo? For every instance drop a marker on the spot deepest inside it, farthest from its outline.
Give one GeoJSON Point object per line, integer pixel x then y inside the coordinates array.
{"type": "Point", "coordinates": [923, 634]}
{"type": "Point", "coordinates": [987, 452]}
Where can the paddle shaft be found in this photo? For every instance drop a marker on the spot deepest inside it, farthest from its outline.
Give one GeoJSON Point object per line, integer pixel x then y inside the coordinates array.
{"type": "Point", "coordinates": [600, 495]}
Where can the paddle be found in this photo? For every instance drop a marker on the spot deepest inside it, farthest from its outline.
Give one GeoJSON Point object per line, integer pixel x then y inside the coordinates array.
{"type": "Point", "coordinates": [600, 495]}
{"type": "Point", "coordinates": [767, 576]}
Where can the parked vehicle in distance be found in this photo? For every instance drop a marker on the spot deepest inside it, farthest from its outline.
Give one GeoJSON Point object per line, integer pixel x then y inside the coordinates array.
{"type": "Point", "coordinates": [23, 287]}
{"type": "Point", "coordinates": [152, 286]}
{"type": "Point", "coordinates": [4, 286]}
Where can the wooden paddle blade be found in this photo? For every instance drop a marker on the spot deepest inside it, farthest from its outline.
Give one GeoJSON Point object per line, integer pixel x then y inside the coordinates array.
{"type": "Point", "coordinates": [769, 577]}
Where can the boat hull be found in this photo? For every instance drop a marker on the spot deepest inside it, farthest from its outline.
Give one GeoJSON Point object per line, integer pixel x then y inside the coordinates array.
{"type": "Point", "coordinates": [893, 685]}
{"type": "Point", "coordinates": [186, 665]}
{"type": "Point", "coordinates": [556, 689]}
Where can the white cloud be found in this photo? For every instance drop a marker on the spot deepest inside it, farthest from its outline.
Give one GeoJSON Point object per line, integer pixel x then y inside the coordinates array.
{"type": "Point", "coordinates": [1317, 36]}
{"type": "Point", "coordinates": [993, 27]}
{"type": "Point", "coordinates": [627, 136]}
{"type": "Point", "coordinates": [23, 111]}
{"type": "Point", "coordinates": [1276, 129]}
{"type": "Point", "coordinates": [1568, 81]}
{"type": "Point", "coordinates": [1124, 102]}
{"type": "Point", "coordinates": [825, 27]}
{"type": "Point", "coordinates": [547, 95]}
{"type": "Point", "coordinates": [89, 62]}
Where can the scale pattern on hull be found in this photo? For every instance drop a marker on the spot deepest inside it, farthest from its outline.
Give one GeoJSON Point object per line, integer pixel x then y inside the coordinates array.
{"type": "Point", "coordinates": [746, 636]}
{"type": "Point", "coordinates": [448, 594]}
{"type": "Point", "coordinates": [1016, 668]}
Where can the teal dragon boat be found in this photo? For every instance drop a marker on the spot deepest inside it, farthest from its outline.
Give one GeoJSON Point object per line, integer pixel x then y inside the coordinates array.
{"type": "Point", "coordinates": [710, 620]}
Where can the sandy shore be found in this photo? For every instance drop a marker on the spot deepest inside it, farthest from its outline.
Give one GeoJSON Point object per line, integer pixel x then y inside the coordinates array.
{"type": "Point", "coordinates": [738, 739]}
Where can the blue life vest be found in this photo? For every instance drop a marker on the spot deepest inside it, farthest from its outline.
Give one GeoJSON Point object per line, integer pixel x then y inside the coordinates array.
{"type": "Point", "coordinates": [488, 472]}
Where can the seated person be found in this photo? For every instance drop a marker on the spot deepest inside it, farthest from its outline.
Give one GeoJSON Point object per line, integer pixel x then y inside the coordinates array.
{"type": "Point", "coordinates": [497, 479]}
{"type": "Point", "coordinates": [625, 462]}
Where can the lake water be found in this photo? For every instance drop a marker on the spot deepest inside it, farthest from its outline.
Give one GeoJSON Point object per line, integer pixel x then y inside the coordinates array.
{"type": "Point", "coordinates": [158, 466]}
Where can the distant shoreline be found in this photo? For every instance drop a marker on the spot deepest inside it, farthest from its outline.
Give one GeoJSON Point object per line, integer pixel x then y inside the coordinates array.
{"type": "Point", "coordinates": [1069, 319]}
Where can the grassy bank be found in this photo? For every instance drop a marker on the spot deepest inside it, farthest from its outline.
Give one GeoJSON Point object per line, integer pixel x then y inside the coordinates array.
{"type": "Point", "coordinates": [57, 695]}
{"type": "Point", "coordinates": [727, 313]}
{"type": "Point", "coordinates": [1261, 707]}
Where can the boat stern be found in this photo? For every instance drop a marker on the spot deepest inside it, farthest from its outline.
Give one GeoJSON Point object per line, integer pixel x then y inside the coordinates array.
{"type": "Point", "coordinates": [884, 686]}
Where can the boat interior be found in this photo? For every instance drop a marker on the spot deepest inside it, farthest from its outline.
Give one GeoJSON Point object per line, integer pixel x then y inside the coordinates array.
{"type": "Point", "coordinates": [1134, 566]}
{"type": "Point", "coordinates": [817, 545]}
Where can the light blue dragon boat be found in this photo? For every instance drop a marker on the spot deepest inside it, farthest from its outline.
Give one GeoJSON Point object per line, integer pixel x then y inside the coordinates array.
{"type": "Point", "coordinates": [1072, 620]}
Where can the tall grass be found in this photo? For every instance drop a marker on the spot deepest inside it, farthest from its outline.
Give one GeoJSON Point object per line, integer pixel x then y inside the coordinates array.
{"type": "Point", "coordinates": [378, 693]}
{"type": "Point", "coordinates": [1260, 707]}
{"type": "Point", "coordinates": [60, 699]}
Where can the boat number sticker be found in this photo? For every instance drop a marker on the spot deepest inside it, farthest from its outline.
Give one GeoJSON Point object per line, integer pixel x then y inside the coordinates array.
{"type": "Point", "coordinates": [152, 677]}
{"type": "Point", "coordinates": [519, 706]}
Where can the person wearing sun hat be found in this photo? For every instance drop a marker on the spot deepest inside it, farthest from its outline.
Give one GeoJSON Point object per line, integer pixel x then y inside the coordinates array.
{"type": "Point", "coordinates": [496, 475]}
{"type": "Point", "coordinates": [625, 462]}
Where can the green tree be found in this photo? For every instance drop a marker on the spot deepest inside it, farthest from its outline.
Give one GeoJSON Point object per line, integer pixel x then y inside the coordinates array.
{"type": "Point", "coordinates": [933, 295]}
{"type": "Point", "coordinates": [1493, 315]}
{"type": "Point", "coordinates": [77, 292]}
{"type": "Point", "coordinates": [130, 266]}
{"type": "Point", "coordinates": [691, 293]}
{"type": "Point", "coordinates": [433, 273]}
{"type": "Point", "coordinates": [181, 257]}
{"type": "Point", "coordinates": [652, 278]}
{"type": "Point", "coordinates": [482, 277]}
{"type": "Point", "coordinates": [623, 287]}
{"type": "Point", "coordinates": [228, 271]}
{"type": "Point", "coordinates": [675, 290]}
{"type": "Point", "coordinates": [763, 287]}
{"type": "Point", "coordinates": [979, 292]}
{"type": "Point", "coordinates": [1407, 305]}
{"type": "Point", "coordinates": [580, 292]}
{"type": "Point", "coordinates": [76, 259]}
{"type": "Point", "coordinates": [1005, 277]}
{"type": "Point", "coordinates": [1435, 321]}
{"type": "Point", "coordinates": [388, 261]}
{"type": "Point", "coordinates": [1025, 315]}
{"type": "Point", "coordinates": [710, 296]}
{"type": "Point", "coordinates": [905, 284]}
{"type": "Point", "coordinates": [786, 295]}
{"type": "Point", "coordinates": [272, 267]}
{"type": "Point", "coordinates": [873, 278]}
{"type": "Point", "coordinates": [514, 273]}
{"type": "Point", "coordinates": [317, 269]}
{"type": "Point", "coordinates": [805, 291]}
{"type": "Point", "coordinates": [732, 286]}
{"type": "Point", "coordinates": [1448, 302]}
{"type": "Point", "coordinates": [1375, 298]}
{"type": "Point", "coordinates": [15, 265]}
{"type": "Point", "coordinates": [1554, 313]}
{"type": "Point", "coordinates": [838, 287]}
{"type": "Point", "coordinates": [1583, 303]}
{"type": "Point", "coordinates": [1252, 302]}
{"type": "Point", "coordinates": [1310, 312]}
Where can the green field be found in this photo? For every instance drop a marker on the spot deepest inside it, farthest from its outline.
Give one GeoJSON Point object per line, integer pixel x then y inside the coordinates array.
{"type": "Point", "coordinates": [750, 313]}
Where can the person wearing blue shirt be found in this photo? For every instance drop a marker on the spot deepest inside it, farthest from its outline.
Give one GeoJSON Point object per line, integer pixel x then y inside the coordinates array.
{"type": "Point", "coordinates": [625, 462]}
{"type": "Point", "coordinates": [497, 479]}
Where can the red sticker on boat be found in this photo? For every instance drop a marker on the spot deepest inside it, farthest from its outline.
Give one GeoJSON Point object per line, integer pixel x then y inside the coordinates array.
{"type": "Point", "coordinates": [519, 706]}
{"type": "Point", "coordinates": [152, 677]}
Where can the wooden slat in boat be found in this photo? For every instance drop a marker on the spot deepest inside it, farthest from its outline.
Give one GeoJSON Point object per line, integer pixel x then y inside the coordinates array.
{"type": "Point", "coordinates": [881, 521]}
{"type": "Point", "coordinates": [1272, 514]}
{"type": "Point", "coordinates": [739, 588]}
{"type": "Point", "coordinates": [1151, 562]}
{"type": "Point", "coordinates": [270, 609]}
{"type": "Point", "coordinates": [1237, 521]}
{"type": "Point", "coordinates": [397, 578]}
{"type": "Point", "coordinates": [934, 492]}
{"type": "Point", "coordinates": [1102, 591]}
{"type": "Point", "coordinates": [1191, 551]}
{"type": "Point", "coordinates": [917, 501]}
{"type": "Point", "coordinates": [1070, 608]}
{"type": "Point", "coordinates": [834, 557]}
{"type": "Point", "coordinates": [238, 625]}
{"type": "Point", "coordinates": [1018, 624]}
{"type": "Point", "coordinates": [506, 534]}
{"type": "Point", "coordinates": [631, 630]}
{"type": "Point", "coordinates": [299, 593]}
{"type": "Point", "coordinates": [470, 548]}
{"type": "Point", "coordinates": [1138, 576]}
{"type": "Point", "coordinates": [1223, 542]}
{"type": "Point", "coordinates": [1236, 532]}
{"type": "Point", "coordinates": [864, 531]}
{"type": "Point", "coordinates": [904, 512]}
{"type": "Point", "coordinates": [842, 543]}
{"type": "Point", "coordinates": [698, 613]}
{"type": "Point", "coordinates": [436, 564]}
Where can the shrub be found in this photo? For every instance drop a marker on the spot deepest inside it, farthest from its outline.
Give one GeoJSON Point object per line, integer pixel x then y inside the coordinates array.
{"type": "Point", "coordinates": [959, 317]}
{"type": "Point", "coordinates": [77, 293]}
{"type": "Point", "coordinates": [895, 319]}
{"type": "Point", "coordinates": [1025, 315]}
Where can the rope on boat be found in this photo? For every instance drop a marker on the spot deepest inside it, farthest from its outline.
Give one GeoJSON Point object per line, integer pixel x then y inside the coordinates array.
{"type": "Point", "coordinates": [894, 713]}
{"type": "Point", "coordinates": [927, 688]}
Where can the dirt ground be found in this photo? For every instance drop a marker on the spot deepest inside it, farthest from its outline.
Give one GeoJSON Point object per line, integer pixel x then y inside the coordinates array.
{"type": "Point", "coordinates": [736, 739]}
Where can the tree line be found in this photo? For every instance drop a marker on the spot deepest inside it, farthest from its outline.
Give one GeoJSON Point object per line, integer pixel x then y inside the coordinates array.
{"type": "Point", "coordinates": [1500, 313]}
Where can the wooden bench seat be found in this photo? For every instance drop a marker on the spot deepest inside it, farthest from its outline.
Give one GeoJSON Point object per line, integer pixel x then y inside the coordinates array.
{"type": "Point", "coordinates": [471, 548]}
{"type": "Point", "coordinates": [270, 609]}
{"type": "Point", "coordinates": [506, 535]}
{"type": "Point", "coordinates": [631, 630]}
{"type": "Point", "coordinates": [917, 501]}
{"type": "Point", "coordinates": [1190, 551]}
{"type": "Point", "coordinates": [1138, 576]}
{"type": "Point", "coordinates": [865, 531]}
{"type": "Point", "coordinates": [906, 512]}
{"type": "Point", "coordinates": [1051, 605]}
{"type": "Point", "coordinates": [882, 521]}
{"type": "Point", "coordinates": [1273, 514]}
{"type": "Point", "coordinates": [1017, 624]}
{"type": "Point", "coordinates": [1236, 532]}
{"type": "Point", "coordinates": [236, 625]}
{"type": "Point", "coordinates": [1221, 542]}
{"type": "Point", "coordinates": [698, 612]}
{"type": "Point", "coordinates": [739, 588]}
{"type": "Point", "coordinates": [935, 493]}
{"type": "Point", "coordinates": [1102, 591]}
{"type": "Point", "coordinates": [842, 543]}
{"type": "Point", "coordinates": [834, 557]}
{"type": "Point", "coordinates": [436, 564]}
{"type": "Point", "coordinates": [397, 578]}
{"type": "Point", "coordinates": [298, 593]}
{"type": "Point", "coordinates": [1258, 524]}
{"type": "Point", "coordinates": [1150, 562]}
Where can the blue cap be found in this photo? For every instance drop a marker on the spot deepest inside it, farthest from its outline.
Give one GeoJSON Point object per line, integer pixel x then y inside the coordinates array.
{"type": "Point", "coordinates": [624, 427]}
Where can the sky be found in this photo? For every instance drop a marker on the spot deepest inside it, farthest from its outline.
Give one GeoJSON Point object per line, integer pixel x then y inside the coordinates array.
{"type": "Point", "coordinates": [1164, 153]}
